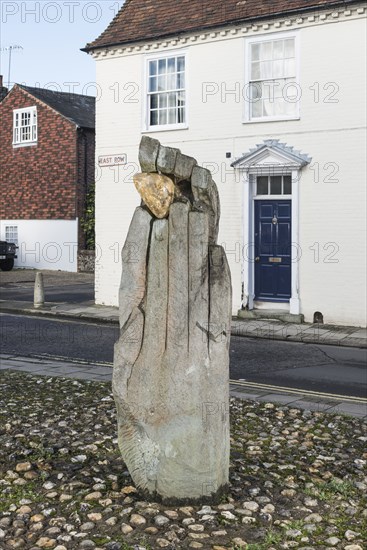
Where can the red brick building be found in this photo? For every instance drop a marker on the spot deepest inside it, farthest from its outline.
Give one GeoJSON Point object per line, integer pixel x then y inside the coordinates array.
{"type": "Point", "coordinates": [47, 143]}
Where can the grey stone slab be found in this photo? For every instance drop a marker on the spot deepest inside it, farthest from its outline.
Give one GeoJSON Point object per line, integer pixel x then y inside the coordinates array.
{"type": "Point", "coordinates": [154, 342]}
{"type": "Point", "coordinates": [81, 375]}
{"type": "Point", "coordinates": [238, 327]}
{"type": "Point", "coordinates": [362, 333]}
{"type": "Point", "coordinates": [338, 335]}
{"type": "Point", "coordinates": [184, 167]}
{"type": "Point", "coordinates": [106, 377]}
{"type": "Point", "coordinates": [310, 405]}
{"type": "Point", "coordinates": [319, 399]}
{"type": "Point", "coordinates": [29, 368]}
{"type": "Point", "coordinates": [148, 153]}
{"type": "Point", "coordinates": [206, 193]}
{"type": "Point", "coordinates": [59, 370]}
{"type": "Point", "coordinates": [178, 268]}
{"type": "Point", "coordinates": [249, 391]}
{"type": "Point", "coordinates": [133, 271]}
{"type": "Point", "coordinates": [166, 160]}
{"type": "Point", "coordinates": [355, 342]}
{"type": "Point", "coordinates": [74, 310]}
{"type": "Point", "coordinates": [317, 332]}
{"type": "Point", "coordinates": [245, 395]}
{"type": "Point", "coordinates": [98, 371]}
{"type": "Point", "coordinates": [279, 398]}
{"type": "Point", "coordinates": [198, 282]}
{"type": "Point", "coordinates": [350, 408]}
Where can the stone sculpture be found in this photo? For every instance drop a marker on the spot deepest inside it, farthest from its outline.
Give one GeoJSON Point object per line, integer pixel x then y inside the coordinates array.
{"type": "Point", "coordinates": [170, 378]}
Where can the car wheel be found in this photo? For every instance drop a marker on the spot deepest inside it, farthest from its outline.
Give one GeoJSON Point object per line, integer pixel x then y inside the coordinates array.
{"type": "Point", "coordinates": [7, 265]}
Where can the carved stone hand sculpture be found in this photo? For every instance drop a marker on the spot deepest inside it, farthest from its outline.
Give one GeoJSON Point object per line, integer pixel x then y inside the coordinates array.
{"type": "Point", "coordinates": [170, 378]}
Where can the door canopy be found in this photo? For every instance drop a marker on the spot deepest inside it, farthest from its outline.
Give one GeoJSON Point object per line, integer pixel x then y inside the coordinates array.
{"type": "Point", "coordinates": [271, 155]}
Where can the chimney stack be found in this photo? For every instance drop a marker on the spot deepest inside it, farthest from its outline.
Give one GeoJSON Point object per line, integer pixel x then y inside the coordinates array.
{"type": "Point", "coordinates": [1, 81]}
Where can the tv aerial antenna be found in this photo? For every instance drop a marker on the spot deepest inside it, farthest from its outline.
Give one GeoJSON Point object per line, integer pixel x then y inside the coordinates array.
{"type": "Point", "coordinates": [10, 49]}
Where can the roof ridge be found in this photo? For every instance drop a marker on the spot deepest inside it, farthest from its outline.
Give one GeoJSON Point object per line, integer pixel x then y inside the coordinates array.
{"type": "Point", "coordinates": [25, 87]}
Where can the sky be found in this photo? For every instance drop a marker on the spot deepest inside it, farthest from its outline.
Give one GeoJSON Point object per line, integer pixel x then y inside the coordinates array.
{"type": "Point", "coordinates": [50, 34]}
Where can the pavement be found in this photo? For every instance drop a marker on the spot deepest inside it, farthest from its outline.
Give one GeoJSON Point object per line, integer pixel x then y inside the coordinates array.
{"type": "Point", "coordinates": [87, 311]}
{"type": "Point", "coordinates": [293, 398]}
{"type": "Point", "coordinates": [252, 328]}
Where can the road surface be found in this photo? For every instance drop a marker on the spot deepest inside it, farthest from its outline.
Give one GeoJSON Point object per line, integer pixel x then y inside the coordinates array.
{"type": "Point", "coordinates": [327, 369]}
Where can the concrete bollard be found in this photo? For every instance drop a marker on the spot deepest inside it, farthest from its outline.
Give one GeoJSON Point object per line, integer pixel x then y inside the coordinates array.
{"type": "Point", "coordinates": [39, 292]}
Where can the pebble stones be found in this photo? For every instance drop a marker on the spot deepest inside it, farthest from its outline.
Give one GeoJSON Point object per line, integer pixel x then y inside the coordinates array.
{"type": "Point", "coordinates": [119, 519]}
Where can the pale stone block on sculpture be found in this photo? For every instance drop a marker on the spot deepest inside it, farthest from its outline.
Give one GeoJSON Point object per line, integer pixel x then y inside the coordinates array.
{"type": "Point", "coordinates": [171, 361]}
{"type": "Point", "coordinates": [157, 192]}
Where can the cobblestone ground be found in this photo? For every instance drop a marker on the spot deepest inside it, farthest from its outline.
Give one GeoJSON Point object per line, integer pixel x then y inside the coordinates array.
{"type": "Point", "coordinates": [297, 478]}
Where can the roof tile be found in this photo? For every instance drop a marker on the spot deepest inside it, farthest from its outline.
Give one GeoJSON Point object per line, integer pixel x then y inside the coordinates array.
{"type": "Point", "coordinates": [141, 20]}
{"type": "Point", "coordinates": [79, 109]}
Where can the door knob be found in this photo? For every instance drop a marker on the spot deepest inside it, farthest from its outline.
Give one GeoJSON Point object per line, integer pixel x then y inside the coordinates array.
{"type": "Point", "coordinates": [257, 259]}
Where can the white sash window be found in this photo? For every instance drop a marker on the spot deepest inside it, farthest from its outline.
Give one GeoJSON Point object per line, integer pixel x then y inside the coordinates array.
{"type": "Point", "coordinates": [25, 126]}
{"type": "Point", "coordinates": [166, 92]}
{"type": "Point", "coordinates": [272, 81]}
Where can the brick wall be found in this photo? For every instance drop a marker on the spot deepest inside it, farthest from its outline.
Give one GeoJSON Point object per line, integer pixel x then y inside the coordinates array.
{"type": "Point", "coordinates": [37, 182]}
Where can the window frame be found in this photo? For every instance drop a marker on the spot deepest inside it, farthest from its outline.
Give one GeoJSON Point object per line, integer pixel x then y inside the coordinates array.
{"type": "Point", "coordinates": [146, 114]}
{"type": "Point", "coordinates": [247, 69]}
{"type": "Point", "coordinates": [270, 195]}
{"type": "Point", "coordinates": [12, 230]}
{"type": "Point", "coordinates": [33, 113]}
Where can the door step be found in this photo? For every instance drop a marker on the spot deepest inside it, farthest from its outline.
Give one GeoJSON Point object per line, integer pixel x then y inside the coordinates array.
{"type": "Point", "coordinates": [271, 315]}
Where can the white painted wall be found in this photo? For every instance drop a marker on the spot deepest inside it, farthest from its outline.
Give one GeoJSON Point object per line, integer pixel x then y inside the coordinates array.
{"type": "Point", "coordinates": [332, 213]}
{"type": "Point", "coordinates": [45, 244]}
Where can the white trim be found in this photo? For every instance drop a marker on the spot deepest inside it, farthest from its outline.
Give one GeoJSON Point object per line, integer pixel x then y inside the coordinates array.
{"type": "Point", "coordinates": [230, 32]}
{"type": "Point", "coordinates": [248, 272]}
{"type": "Point", "coordinates": [294, 302]}
{"type": "Point", "coordinates": [274, 197]}
{"type": "Point", "coordinates": [32, 110]}
{"type": "Point", "coordinates": [145, 118]}
{"type": "Point", "coordinates": [246, 119]}
{"type": "Point", "coordinates": [10, 231]}
{"type": "Point", "coordinates": [247, 300]}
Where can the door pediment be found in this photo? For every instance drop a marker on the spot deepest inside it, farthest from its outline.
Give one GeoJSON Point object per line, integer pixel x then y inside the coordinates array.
{"type": "Point", "coordinates": [271, 155]}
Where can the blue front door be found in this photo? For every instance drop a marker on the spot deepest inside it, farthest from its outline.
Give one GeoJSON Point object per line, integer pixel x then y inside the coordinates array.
{"type": "Point", "coordinates": [273, 250]}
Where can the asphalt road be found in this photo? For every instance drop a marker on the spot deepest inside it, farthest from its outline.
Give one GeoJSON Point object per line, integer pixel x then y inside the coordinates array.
{"type": "Point", "coordinates": [329, 369]}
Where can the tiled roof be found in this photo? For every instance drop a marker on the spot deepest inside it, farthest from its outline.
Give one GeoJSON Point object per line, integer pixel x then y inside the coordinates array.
{"type": "Point", "coordinates": [79, 109]}
{"type": "Point", "coordinates": [140, 20]}
{"type": "Point", "coordinates": [300, 158]}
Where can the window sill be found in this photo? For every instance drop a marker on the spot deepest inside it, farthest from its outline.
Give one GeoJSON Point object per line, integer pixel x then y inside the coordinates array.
{"type": "Point", "coordinates": [28, 144]}
{"type": "Point", "coordinates": [272, 197]}
{"type": "Point", "coordinates": [271, 119]}
{"type": "Point", "coordinates": [168, 128]}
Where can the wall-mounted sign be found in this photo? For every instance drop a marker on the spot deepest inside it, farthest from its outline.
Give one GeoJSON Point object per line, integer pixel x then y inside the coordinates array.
{"type": "Point", "coordinates": [112, 160]}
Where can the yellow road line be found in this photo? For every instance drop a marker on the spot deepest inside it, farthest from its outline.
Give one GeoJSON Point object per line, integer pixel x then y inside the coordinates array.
{"type": "Point", "coordinates": [298, 391]}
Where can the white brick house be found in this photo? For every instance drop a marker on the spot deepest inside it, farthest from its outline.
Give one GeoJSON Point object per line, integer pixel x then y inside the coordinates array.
{"type": "Point", "coordinates": [273, 103]}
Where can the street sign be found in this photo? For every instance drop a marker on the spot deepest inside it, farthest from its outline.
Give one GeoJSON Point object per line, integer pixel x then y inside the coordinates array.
{"type": "Point", "coordinates": [112, 160]}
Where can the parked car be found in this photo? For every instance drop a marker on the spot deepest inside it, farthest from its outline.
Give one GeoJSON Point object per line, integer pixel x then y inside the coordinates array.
{"type": "Point", "coordinates": [7, 255]}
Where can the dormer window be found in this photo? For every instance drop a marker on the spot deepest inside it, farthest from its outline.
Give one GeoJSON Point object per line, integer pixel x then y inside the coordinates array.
{"type": "Point", "coordinates": [25, 126]}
